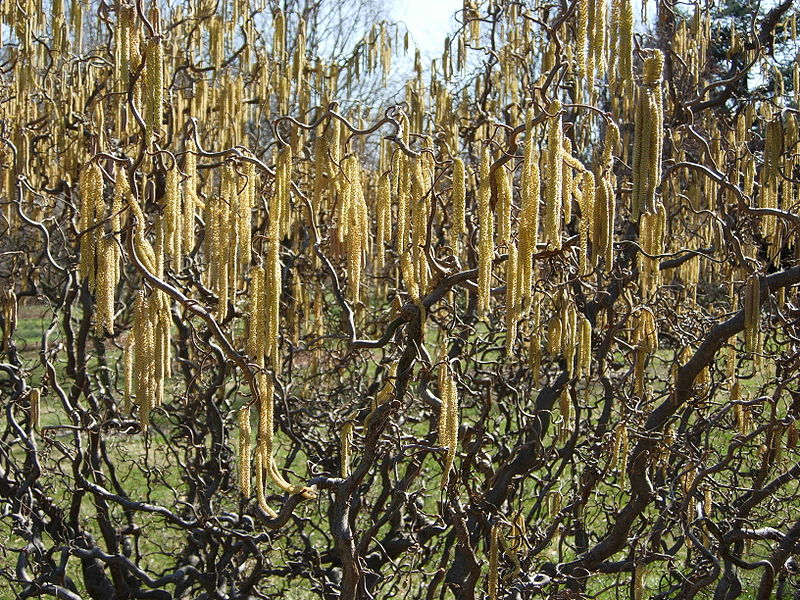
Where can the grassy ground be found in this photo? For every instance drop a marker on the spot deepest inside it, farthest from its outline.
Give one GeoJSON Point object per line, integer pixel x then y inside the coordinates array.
{"type": "Point", "coordinates": [136, 458]}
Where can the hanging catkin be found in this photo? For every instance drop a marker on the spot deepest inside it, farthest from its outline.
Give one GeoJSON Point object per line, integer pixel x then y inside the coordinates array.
{"type": "Point", "coordinates": [503, 186]}
{"type": "Point", "coordinates": [244, 451]}
{"type": "Point", "coordinates": [586, 202]}
{"type": "Point", "coordinates": [485, 235]}
{"type": "Point", "coordinates": [752, 308]}
{"type": "Point", "coordinates": [420, 214]}
{"type": "Point", "coordinates": [34, 397]}
{"type": "Point", "coordinates": [529, 216]}
{"type": "Point", "coordinates": [273, 284]}
{"type": "Point", "coordinates": [584, 347]}
{"type": "Point", "coordinates": [171, 220]}
{"type": "Point", "coordinates": [512, 296]}
{"type": "Point", "coordinates": [582, 36]}
{"type": "Point", "coordinates": [494, 559]}
{"type": "Point", "coordinates": [92, 207]}
{"type": "Point", "coordinates": [245, 202]}
{"type": "Point", "coordinates": [189, 196]}
{"type": "Point", "coordinates": [143, 349]}
{"type": "Point", "coordinates": [648, 125]}
{"type": "Point", "coordinates": [404, 202]}
{"type": "Point", "coordinates": [265, 445]}
{"type": "Point", "coordinates": [602, 226]}
{"type": "Point", "coordinates": [553, 177]}
{"type": "Point", "coordinates": [383, 219]}
{"type": "Point", "coordinates": [154, 78]}
{"type": "Point", "coordinates": [448, 418]}
{"type": "Point", "coordinates": [356, 221]}
{"type": "Point", "coordinates": [645, 340]}
{"type": "Point", "coordinates": [621, 43]}
{"type": "Point", "coordinates": [771, 175]}
{"type": "Point", "coordinates": [125, 15]}
{"type": "Point", "coordinates": [459, 201]}
{"type": "Point", "coordinates": [344, 451]}
{"type": "Point", "coordinates": [108, 258]}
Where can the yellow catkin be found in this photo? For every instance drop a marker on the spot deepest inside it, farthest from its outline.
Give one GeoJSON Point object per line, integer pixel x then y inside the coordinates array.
{"type": "Point", "coordinates": [107, 278]}
{"type": "Point", "coordinates": [535, 341]}
{"type": "Point", "coordinates": [553, 178]}
{"type": "Point", "coordinates": [752, 309]}
{"type": "Point", "coordinates": [8, 301]}
{"type": "Point", "coordinates": [91, 189]}
{"type": "Point", "coordinates": [383, 219]}
{"type": "Point", "coordinates": [402, 184]}
{"type": "Point", "coordinates": [512, 297]}
{"type": "Point", "coordinates": [554, 329]}
{"type": "Point", "coordinates": [228, 249]}
{"type": "Point", "coordinates": [792, 436]}
{"type": "Point", "coordinates": [265, 444]}
{"type": "Point", "coordinates": [485, 236]}
{"type": "Point", "coordinates": [335, 153]}
{"type": "Point", "coordinates": [771, 177]}
{"type": "Point", "coordinates": [582, 36]}
{"type": "Point", "coordinates": [245, 202]}
{"type": "Point", "coordinates": [529, 216]}
{"type": "Point", "coordinates": [273, 285]}
{"type": "Point", "coordinates": [144, 359]}
{"type": "Point", "coordinates": [494, 560]}
{"type": "Point", "coordinates": [651, 238]}
{"type": "Point", "coordinates": [171, 220]}
{"type": "Point", "coordinates": [604, 205]}
{"type": "Point", "coordinates": [569, 330]}
{"type": "Point", "coordinates": [344, 450]}
{"type": "Point", "coordinates": [257, 324]}
{"type": "Point", "coordinates": [122, 193]}
{"type": "Point", "coordinates": [420, 215]}
{"type": "Point", "coordinates": [624, 42]}
{"type": "Point", "coordinates": [343, 207]}
{"type": "Point", "coordinates": [265, 417]}
{"type": "Point", "coordinates": [584, 347]}
{"type": "Point", "coordinates": [568, 180]}
{"type": "Point", "coordinates": [189, 196]}
{"type": "Point", "coordinates": [503, 186]}
{"type": "Point", "coordinates": [554, 500]}
{"type": "Point", "coordinates": [459, 201]}
{"type": "Point", "coordinates": [567, 418]}
{"type": "Point", "coordinates": [638, 581]}
{"type": "Point", "coordinates": [356, 219]}
{"type": "Point", "coordinates": [154, 80]}
{"type": "Point", "coordinates": [599, 35]}
{"type": "Point", "coordinates": [129, 371]}
{"type": "Point", "coordinates": [159, 315]}
{"type": "Point", "coordinates": [244, 451]}
{"type": "Point", "coordinates": [645, 339]}
{"type": "Point", "coordinates": [144, 250]}
{"type": "Point", "coordinates": [586, 201]}
{"type": "Point", "coordinates": [452, 424]}
{"type": "Point", "coordinates": [34, 396]}
{"type": "Point", "coordinates": [125, 15]}
{"type": "Point", "coordinates": [648, 126]}
{"type": "Point", "coordinates": [448, 419]}
{"type": "Point", "coordinates": [259, 483]}
{"type": "Point", "coordinates": [279, 38]}
{"type": "Point", "coordinates": [217, 219]}
{"type": "Point", "coordinates": [617, 456]}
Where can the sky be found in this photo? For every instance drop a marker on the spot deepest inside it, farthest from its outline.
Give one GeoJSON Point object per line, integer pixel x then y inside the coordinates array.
{"type": "Point", "coordinates": [428, 21]}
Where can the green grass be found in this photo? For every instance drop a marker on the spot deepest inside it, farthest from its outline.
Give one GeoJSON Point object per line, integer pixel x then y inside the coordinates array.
{"type": "Point", "coordinates": [158, 543]}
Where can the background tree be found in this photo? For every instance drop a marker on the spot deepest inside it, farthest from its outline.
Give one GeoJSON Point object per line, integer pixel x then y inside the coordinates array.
{"type": "Point", "coordinates": [529, 329]}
